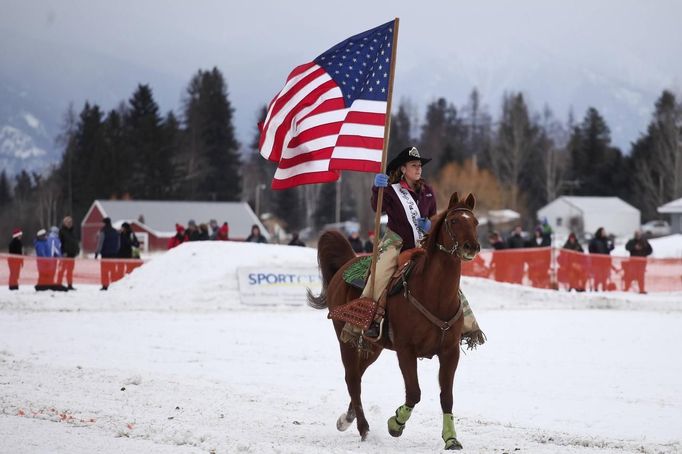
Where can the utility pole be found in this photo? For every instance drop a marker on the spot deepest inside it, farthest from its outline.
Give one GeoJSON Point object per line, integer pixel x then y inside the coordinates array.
{"type": "Point", "coordinates": [338, 200]}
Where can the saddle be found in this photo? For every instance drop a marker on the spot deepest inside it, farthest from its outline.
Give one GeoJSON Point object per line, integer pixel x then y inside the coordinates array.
{"type": "Point", "coordinates": [357, 274]}
{"type": "Point", "coordinates": [360, 312]}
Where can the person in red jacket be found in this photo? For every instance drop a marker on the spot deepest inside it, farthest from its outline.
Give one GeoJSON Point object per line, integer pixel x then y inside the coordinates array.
{"type": "Point", "coordinates": [223, 232]}
{"type": "Point", "coordinates": [178, 238]}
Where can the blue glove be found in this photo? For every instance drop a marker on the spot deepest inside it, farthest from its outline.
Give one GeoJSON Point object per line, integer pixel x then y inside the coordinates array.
{"type": "Point", "coordinates": [424, 224]}
{"type": "Point", "coordinates": [381, 180]}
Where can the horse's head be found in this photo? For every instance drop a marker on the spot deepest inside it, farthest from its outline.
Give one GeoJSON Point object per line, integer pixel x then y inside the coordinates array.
{"type": "Point", "coordinates": [457, 234]}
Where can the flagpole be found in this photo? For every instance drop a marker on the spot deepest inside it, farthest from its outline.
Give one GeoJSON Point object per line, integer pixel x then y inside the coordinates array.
{"type": "Point", "coordinates": [384, 153]}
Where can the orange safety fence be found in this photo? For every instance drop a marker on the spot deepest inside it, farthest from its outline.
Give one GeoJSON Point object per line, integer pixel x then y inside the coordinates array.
{"type": "Point", "coordinates": [564, 269]}
{"type": "Point", "coordinates": [536, 267]}
{"type": "Point", "coordinates": [53, 272]}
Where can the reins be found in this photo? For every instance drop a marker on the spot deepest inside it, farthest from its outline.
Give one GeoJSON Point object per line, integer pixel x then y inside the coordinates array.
{"type": "Point", "coordinates": [444, 326]}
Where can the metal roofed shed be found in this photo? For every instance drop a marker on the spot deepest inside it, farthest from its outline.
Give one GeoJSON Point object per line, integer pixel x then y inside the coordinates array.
{"type": "Point", "coordinates": [154, 221]}
{"type": "Point", "coordinates": [674, 209]}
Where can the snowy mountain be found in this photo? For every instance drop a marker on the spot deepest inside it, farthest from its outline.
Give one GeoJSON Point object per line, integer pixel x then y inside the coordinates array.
{"type": "Point", "coordinates": [27, 132]}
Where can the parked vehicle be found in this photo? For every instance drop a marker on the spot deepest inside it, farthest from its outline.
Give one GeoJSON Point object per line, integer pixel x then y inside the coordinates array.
{"type": "Point", "coordinates": [656, 228]}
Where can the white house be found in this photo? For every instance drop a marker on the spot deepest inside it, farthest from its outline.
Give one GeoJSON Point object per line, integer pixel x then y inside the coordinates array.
{"type": "Point", "coordinates": [586, 214]}
{"type": "Point", "coordinates": [674, 209]}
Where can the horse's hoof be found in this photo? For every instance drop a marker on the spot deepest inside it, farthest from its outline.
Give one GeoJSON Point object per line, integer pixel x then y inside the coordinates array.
{"type": "Point", "coordinates": [343, 422]}
{"type": "Point", "coordinates": [363, 437]}
{"type": "Point", "coordinates": [453, 445]}
{"type": "Point", "coordinates": [394, 427]}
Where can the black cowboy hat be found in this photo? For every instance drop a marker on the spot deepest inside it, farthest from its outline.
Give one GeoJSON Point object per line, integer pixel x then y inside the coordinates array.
{"type": "Point", "coordinates": [405, 156]}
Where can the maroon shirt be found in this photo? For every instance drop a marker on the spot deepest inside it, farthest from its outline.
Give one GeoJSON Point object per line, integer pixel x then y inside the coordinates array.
{"type": "Point", "coordinates": [397, 218]}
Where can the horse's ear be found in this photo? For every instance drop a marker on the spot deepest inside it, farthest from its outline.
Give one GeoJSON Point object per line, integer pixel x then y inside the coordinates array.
{"type": "Point", "coordinates": [470, 201]}
{"type": "Point", "coordinates": [454, 200]}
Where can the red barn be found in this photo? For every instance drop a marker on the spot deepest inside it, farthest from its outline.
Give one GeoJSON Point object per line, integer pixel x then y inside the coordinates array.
{"type": "Point", "coordinates": [154, 221]}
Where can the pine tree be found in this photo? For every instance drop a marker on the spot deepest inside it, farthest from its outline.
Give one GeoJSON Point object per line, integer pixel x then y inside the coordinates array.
{"type": "Point", "coordinates": [399, 137]}
{"type": "Point", "coordinates": [5, 190]}
{"type": "Point", "coordinates": [171, 146]}
{"type": "Point", "coordinates": [88, 160]}
{"type": "Point", "coordinates": [656, 158]}
{"type": "Point", "coordinates": [594, 163]}
{"type": "Point", "coordinates": [120, 157]}
{"type": "Point", "coordinates": [213, 161]}
{"type": "Point", "coordinates": [442, 136]}
{"type": "Point", "coordinates": [477, 127]}
{"type": "Point", "coordinates": [150, 166]}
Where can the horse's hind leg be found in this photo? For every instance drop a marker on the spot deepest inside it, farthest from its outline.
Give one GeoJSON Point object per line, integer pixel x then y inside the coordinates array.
{"type": "Point", "coordinates": [347, 418]}
{"type": "Point", "coordinates": [355, 366]}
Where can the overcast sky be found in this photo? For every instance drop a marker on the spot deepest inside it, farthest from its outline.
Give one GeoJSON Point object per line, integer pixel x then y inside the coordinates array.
{"type": "Point", "coordinates": [256, 43]}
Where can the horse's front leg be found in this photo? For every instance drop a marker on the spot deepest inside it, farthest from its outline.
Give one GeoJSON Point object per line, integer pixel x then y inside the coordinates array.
{"type": "Point", "coordinates": [408, 366]}
{"type": "Point", "coordinates": [446, 377]}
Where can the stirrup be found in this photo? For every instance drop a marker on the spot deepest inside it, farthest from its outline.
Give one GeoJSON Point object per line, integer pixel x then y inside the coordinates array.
{"type": "Point", "coordinates": [380, 322]}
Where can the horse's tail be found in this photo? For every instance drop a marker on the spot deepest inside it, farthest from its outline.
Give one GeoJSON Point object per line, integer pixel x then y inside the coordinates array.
{"type": "Point", "coordinates": [333, 251]}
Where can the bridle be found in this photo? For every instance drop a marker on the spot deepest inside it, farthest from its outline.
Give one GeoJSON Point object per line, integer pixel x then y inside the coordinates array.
{"type": "Point", "coordinates": [455, 244]}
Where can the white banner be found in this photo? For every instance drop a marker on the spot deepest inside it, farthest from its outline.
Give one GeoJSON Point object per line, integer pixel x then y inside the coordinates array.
{"type": "Point", "coordinates": [271, 285]}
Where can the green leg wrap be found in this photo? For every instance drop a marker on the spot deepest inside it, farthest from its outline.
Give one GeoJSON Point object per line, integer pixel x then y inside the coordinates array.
{"type": "Point", "coordinates": [396, 423]}
{"type": "Point", "coordinates": [449, 434]}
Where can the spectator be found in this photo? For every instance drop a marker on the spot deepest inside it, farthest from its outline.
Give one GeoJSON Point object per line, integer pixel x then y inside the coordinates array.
{"type": "Point", "coordinates": [47, 265]}
{"type": "Point", "coordinates": [369, 244]}
{"type": "Point", "coordinates": [178, 238]}
{"type": "Point", "coordinates": [223, 232]}
{"type": "Point", "coordinates": [539, 239]}
{"type": "Point", "coordinates": [15, 264]}
{"type": "Point", "coordinates": [515, 262]}
{"type": "Point", "coordinates": [516, 240]}
{"type": "Point", "coordinates": [539, 262]}
{"type": "Point", "coordinates": [499, 262]}
{"type": "Point", "coordinates": [256, 236]}
{"type": "Point", "coordinates": [213, 224]}
{"type": "Point", "coordinates": [295, 241]}
{"type": "Point", "coordinates": [108, 244]}
{"type": "Point", "coordinates": [128, 243]}
{"type": "Point", "coordinates": [496, 241]}
{"type": "Point", "coordinates": [572, 243]}
{"type": "Point", "coordinates": [192, 231]}
{"type": "Point", "coordinates": [355, 241]}
{"type": "Point", "coordinates": [70, 249]}
{"type": "Point", "coordinates": [635, 268]}
{"type": "Point", "coordinates": [571, 270]}
{"type": "Point", "coordinates": [204, 235]}
{"type": "Point", "coordinates": [601, 246]}
{"type": "Point", "coordinates": [547, 231]}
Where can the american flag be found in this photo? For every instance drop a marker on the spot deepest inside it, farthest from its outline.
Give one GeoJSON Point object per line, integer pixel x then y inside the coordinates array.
{"type": "Point", "coordinates": [331, 113]}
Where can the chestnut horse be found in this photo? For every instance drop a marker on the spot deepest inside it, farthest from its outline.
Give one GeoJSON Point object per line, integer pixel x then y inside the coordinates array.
{"type": "Point", "coordinates": [410, 332]}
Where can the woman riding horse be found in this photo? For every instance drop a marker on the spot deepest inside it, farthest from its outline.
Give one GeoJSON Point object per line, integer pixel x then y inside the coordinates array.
{"type": "Point", "coordinates": [408, 203]}
{"type": "Point", "coordinates": [425, 319]}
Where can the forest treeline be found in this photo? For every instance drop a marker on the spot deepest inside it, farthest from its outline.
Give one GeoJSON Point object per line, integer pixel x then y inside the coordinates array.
{"type": "Point", "coordinates": [514, 158]}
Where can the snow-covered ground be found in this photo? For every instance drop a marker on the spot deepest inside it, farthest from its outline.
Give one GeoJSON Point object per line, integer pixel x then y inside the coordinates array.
{"type": "Point", "coordinates": [169, 361]}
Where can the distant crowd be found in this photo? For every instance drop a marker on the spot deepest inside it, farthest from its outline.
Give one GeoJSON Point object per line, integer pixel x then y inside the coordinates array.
{"type": "Point", "coordinates": [576, 271]}
{"type": "Point", "coordinates": [62, 244]}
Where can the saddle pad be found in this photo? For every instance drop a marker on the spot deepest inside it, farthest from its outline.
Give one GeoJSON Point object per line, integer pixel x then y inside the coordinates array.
{"type": "Point", "coordinates": [356, 274]}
